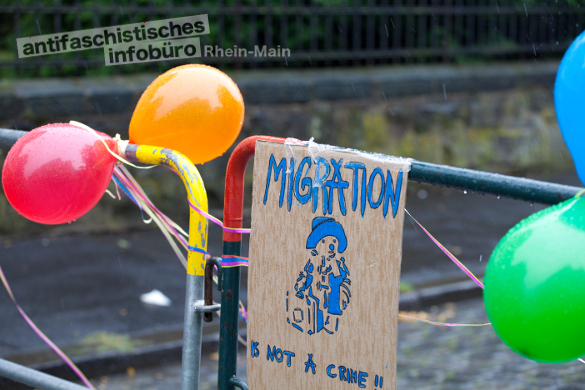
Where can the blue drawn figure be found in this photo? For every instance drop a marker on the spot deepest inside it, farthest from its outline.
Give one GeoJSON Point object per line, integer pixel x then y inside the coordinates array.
{"type": "Point", "coordinates": [321, 292]}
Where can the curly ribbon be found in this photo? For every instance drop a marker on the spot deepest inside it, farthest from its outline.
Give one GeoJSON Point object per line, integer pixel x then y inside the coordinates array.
{"type": "Point", "coordinates": [218, 221]}
{"type": "Point", "coordinates": [131, 188]}
{"type": "Point", "coordinates": [453, 258]}
{"type": "Point", "coordinates": [228, 261]}
{"type": "Point", "coordinates": [215, 220]}
{"type": "Point", "coordinates": [440, 323]}
{"type": "Point", "coordinates": [234, 261]}
{"type": "Point", "coordinates": [43, 337]}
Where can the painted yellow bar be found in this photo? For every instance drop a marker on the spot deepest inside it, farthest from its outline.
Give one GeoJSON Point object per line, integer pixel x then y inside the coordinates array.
{"type": "Point", "coordinates": [195, 192]}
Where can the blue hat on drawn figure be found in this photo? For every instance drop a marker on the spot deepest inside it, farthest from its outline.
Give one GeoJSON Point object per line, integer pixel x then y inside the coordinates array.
{"type": "Point", "coordinates": [322, 290]}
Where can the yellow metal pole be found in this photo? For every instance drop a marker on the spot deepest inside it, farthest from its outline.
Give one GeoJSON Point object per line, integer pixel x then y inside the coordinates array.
{"type": "Point", "coordinates": [196, 261]}
{"type": "Point", "coordinates": [195, 192]}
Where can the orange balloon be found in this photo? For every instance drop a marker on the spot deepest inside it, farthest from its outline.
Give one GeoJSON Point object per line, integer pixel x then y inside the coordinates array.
{"type": "Point", "coordinates": [194, 109]}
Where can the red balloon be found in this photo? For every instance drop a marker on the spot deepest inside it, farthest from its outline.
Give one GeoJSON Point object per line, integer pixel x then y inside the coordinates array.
{"type": "Point", "coordinates": [56, 173]}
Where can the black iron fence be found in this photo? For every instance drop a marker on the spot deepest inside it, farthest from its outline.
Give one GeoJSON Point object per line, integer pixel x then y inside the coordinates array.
{"type": "Point", "coordinates": [318, 33]}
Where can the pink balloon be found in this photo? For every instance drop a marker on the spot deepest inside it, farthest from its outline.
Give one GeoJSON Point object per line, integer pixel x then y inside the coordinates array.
{"type": "Point", "coordinates": [56, 173]}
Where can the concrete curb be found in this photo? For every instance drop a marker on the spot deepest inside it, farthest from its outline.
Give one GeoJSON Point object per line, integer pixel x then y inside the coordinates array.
{"type": "Point", "coordinates": [51, 98]}
{"type": "Point", "coordinates": [113, 362]}
{"type": "Point", "coordinates": [108, 363]}
{"type": "Point", "coordinates": [427, 297]}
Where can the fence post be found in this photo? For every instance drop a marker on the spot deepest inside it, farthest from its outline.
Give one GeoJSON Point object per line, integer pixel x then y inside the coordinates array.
{"type": "Point", "coordinates": [230, 292]}
{"type": "Point", "coordinates": [196, 263]}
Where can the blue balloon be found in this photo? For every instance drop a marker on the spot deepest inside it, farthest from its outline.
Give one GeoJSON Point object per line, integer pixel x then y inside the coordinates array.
{"type": "Point", "coordinates": [570, 102]}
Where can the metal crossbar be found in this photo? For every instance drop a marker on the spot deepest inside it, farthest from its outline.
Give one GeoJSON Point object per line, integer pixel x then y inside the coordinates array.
{"type": "Point", "coordinates": [194, 303]}
{"type": "Point", "coordinates": [464, 179]}
{"type": "Point", "coordinates": [491, 183]}
{"type": "Point", "coordinates": [35, 378]}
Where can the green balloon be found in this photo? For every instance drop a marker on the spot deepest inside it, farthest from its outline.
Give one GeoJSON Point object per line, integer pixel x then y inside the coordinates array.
{"type": "Point", "coordinates": [535, 285]}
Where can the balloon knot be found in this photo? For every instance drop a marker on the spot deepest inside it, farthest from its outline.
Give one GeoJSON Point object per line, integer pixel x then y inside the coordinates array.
{"type": "Point", "coordinates": [121, 146]}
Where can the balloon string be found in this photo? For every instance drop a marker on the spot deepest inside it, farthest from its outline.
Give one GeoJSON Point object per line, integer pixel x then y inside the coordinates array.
{"type": "Point", "coordinates": [441, 323]}
{"type": "Point", "coordinates": [218, 221]}
{"type": "Point", "coordinates": [159, 218]}
{"type": "Point", "coordinates": [135, 192]}
{"type": "Point", "coordinates": [118, 191]}
{"type": "Point", "coordinates": [110, 193]}
{"type": "Point", "coordinates": [129, 186]}
{"type": "Point", "coordinates": [234, 261]}
{"type": "Point", "coordinates": [206, 215]}
{"type": "Point", "coordinates": [43, 337]}
{"type": "Point", "coordinates": [453, 258]}
{"type": "Point", "coordinates": [132, 198]}
{"type": "Point", "coordinates": [167, 227]}
{"type": "Point", "coordinates": [215, 220]}
{"type": "Point", "coordinates": [86, 127]}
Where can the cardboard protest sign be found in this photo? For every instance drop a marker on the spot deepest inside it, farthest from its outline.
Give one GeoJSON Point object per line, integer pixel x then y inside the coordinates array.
{"type": "Point", "coordinates": [325, 253]}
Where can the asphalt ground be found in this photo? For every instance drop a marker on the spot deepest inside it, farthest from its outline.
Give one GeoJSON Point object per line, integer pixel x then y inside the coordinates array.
{"type": "Point", "coordinates": [428, 358]}
{"type": "Point", "coordinates": [83, 290]}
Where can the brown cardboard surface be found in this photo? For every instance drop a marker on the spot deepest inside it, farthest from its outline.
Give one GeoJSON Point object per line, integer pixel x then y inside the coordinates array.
{"type": "Point", "coordinates": [323, 277]}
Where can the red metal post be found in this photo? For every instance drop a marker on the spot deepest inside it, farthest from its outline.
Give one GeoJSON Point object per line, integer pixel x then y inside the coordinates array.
{"type": "Point", "coordinates": [234, 184]}
{"type": "Point", "coordinates": [232, 242]}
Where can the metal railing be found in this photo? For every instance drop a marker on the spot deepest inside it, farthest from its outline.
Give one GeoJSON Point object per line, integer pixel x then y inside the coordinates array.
{"type": "Point", "coordinates": [194, 302]}
{"type": "Point", "coordinates": [317, 32]}
{"type": "Point", "coordinates": [229, 278]}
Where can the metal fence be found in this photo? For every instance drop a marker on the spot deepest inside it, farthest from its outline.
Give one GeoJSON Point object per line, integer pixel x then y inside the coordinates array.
{"type": "Point", "coordinates": [464, 179]}
{"type": "Point", "coordinates": [318, 32]}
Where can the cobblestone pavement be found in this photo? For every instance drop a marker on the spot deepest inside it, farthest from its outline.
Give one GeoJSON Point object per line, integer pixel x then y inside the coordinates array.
{"type": "Point", "coordinates": [429, 357]}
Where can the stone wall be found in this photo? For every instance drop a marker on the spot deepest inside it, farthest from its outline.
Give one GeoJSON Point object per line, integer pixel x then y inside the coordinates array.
{"type": "Point", "coordinates": [498, 118]}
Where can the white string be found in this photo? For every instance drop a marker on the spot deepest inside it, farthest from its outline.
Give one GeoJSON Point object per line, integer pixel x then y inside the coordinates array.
{"type": "Point", "coordinates": [85, 127]}
{"type": "Point", "coordinates": [130, 177]}
{"type": "Point", "coordinates": [109, 193]}
{"type": "Point", "coordinates": [140, 197]}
